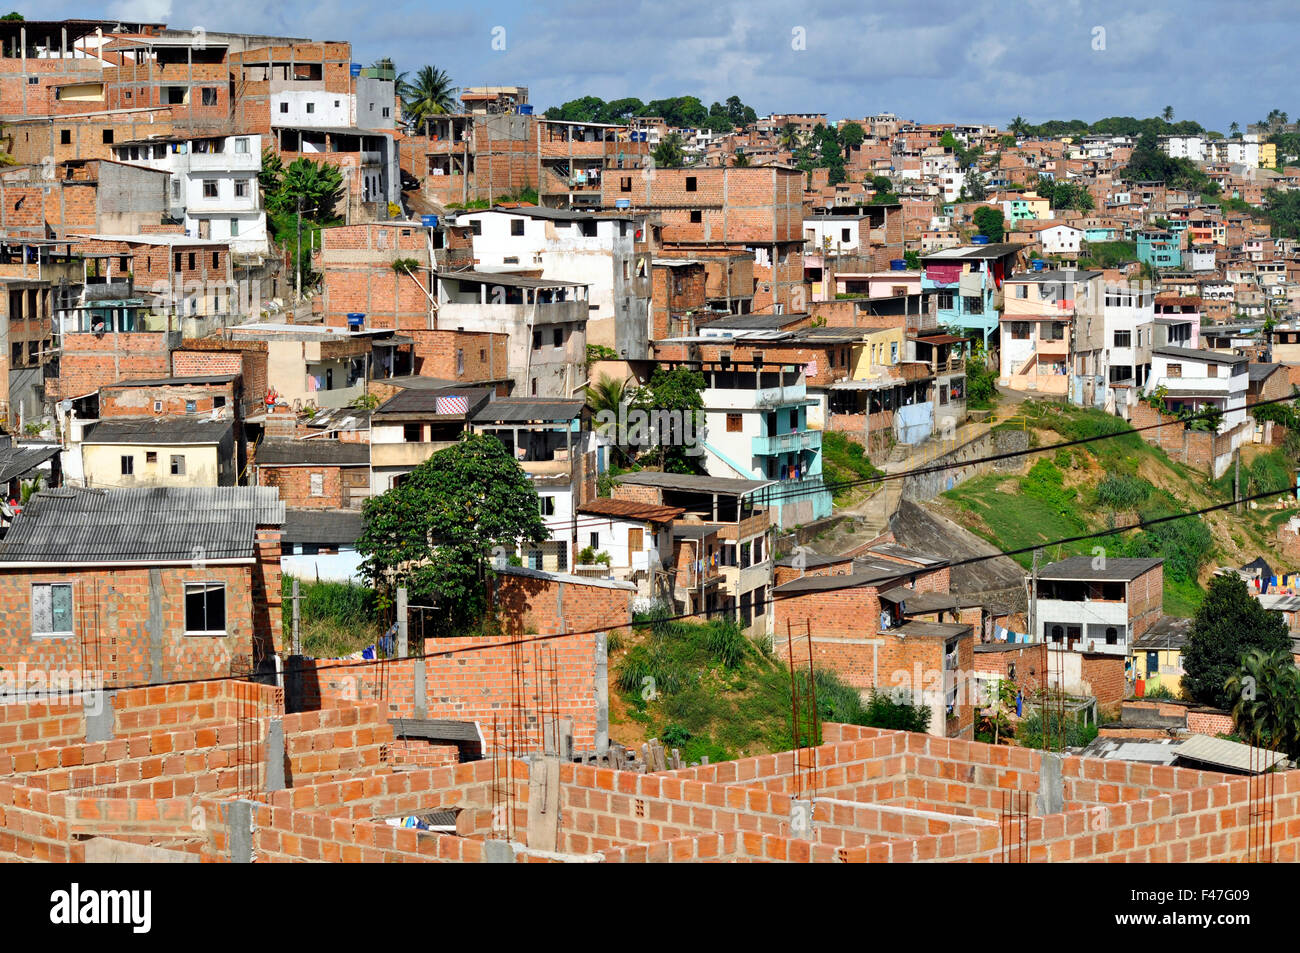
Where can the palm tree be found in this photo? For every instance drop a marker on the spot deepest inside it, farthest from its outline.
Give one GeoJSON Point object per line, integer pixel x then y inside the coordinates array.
{"type": "Point", "coordinates": [1267, 689]}
{"type": "Point", "coordinates": [1018, 125]}
{"type": "Point", "coordinates": [740, 160]}
{"type": "Point", "coordinates": [430, 95]}
{"type": "Point", "coordinates": [670, 153]}
{"type": "Point", "coordinates": [788, 137]}
{"type": "Point", "coordinates": [606, 398]}
{"type": "Point", "coordinates": [1168, 114]}
{"type": "Point", "coordinates": [1235, 129]}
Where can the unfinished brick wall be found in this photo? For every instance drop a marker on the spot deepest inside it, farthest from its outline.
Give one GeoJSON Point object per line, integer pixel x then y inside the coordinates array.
{"type": "Point", "coordinates": [113, 619]}
{"type": "Point", "coordinates": [295, 485]}
{"type": "Point", "coordinates": [91, 361]}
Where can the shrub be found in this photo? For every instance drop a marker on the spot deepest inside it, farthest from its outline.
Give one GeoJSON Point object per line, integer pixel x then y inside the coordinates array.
{"type": "Point", "coordinates": [1123, 492]}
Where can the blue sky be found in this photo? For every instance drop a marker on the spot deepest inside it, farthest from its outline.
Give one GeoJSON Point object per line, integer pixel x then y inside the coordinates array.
{"type": "Point", "coordinates": [930, 60]}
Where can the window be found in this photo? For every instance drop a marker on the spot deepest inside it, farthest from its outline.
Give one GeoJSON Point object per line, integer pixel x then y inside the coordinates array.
{"type": "Point", "coordinates": [1058, 633]}
{"type": "Point", "coordinates": [52, 609]}
{"type": "Point", "coordinates": [234, 233]}
{"type": "Point", "coordinates": [191, 407]}
{"type": "Point", "coordinates": [460, 361]}
{"type": "Point", "coordinates": [972, 304]}
{"type": "Point", "coordinates": [696, 216]}
{"type": "Point", "coordinates": [1123, 338]}
{"type": "Point", "coordinates": [192, 260]}
{"type": "Point", "coordinates": [108, 137]}
{"type": "Point", "coordinates": [625, 184]}
{"type": "Point", "coordinates": [690, 183]}
{"type": "Point", "coordinates": [1022, 291]}
{"type": "Point", "coordinates": [557, 337]}
{"type": "Point", "coordinates": [1211, 370]}
{"type": "Point", "coordinates": [176, 190]}
{"type": "Point", "coordinates": [151, 456]}
{"type": "Point", "coordinates": [209, 188]}
{"type": "Point", "coordinates": [205, 608]}
{"type": "Point", "coordinates": [547, 504]}
{"type": "Point", "coordinates": [311, 107]}
{"type": "Point", "coordinates": [128, 465]}
{"type": "Point", "coordinates": [945, 300]}
{"type": "Point", "coordinates": [241, 146]}
{"type": "Point", "coordinates": [1020, 330]}
{"type": "Point", "coordinates": [735, 423]}
{"type": "Point", "coordinates": [516, 226]}
{"type": "Point", "coordinates": [65, 137]}
{"type": "Point", "coordinates": [1112, 635]}
{"type": "Point", "coordinates": [1175, 370]}
{"type": "Point", "coordinates": [284, 107]}
{"type": "Point", "coordinates": [241, 188]}
{"type": "Point", "coordinates": [537, 340]}
{"type": "Point", "coordinates": [385, 112]}
{"type": "Point", "coordinates": [844, 235]}
{"type": "Point", "coordinates": [595, 541]}
{"type": "Point", "coordinates": [412, 433]}
{"type": "Point", "coordinates": [216, 258]}
{"type": "Point", "coordinates": [178, 464]}
{"type": "Point", "coordinates": [317, 484]}
{"type": "Point", "coordinates": [176, 261]}
{"type": "Point", "coordinates": [157, 406]}
{"type": "Point", "coordinates": [209, 95]}
{"type": "Point", "coordinates": [476, 227]}
{"type": "Point", "coordinates": [218, 402]}
{"type": "Point", "coordinates": [943, 393]}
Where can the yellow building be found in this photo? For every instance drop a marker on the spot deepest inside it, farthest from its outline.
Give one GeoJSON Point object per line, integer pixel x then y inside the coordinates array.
{"type": "Point", "coordinates": [1267, 155]}
{"type": "Point", "coordinates": [880, 349]}
{"type": "Point", "coordinates": [1156, 656]}
{"type": "Point", "coordinates": [168, 451]}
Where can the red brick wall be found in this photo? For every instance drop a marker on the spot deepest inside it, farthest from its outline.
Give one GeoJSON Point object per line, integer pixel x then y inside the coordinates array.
{"type": "Point", "coordinates": [111, 610]}
{"type": "Point", "coordinates": [91, 361]}
{"type": "Point", "coordinates": [1105, 673]}
{"type": "Point", "coordinates": [294, 484]}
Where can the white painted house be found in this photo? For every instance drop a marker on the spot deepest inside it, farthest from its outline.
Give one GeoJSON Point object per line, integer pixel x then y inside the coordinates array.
{"type": "Point", "coordinates": [213, 187]}
{"type": "Point", "coordinates": [597, 251]}
{"type": "Point", "coordinates": [1061, 239]}
{"type": "Point", "coordinates": [637, 538]}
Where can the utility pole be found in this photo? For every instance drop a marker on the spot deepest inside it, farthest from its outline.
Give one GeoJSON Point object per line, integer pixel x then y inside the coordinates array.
{"type": "Point", "coordinates": [401, 623]}
{"type": "Point", "coordinates": [1236, 481]}
{"type": "Point", "coordinates": [297, 644]}
{"type": "Point", "coordinates": [297, 257]}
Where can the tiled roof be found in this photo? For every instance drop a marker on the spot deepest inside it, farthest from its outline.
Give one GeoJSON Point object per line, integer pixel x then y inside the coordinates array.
{"type": "Point", "coordinates": [632, 510]}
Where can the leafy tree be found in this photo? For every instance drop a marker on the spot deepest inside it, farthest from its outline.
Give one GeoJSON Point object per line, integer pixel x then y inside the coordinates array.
{"type": "Point", "coordinates": [1265, 690]}
{"type": "Point", "coordinates": [1229, 622]}
{"type": "Point", "coordinates": [912, 259]}
{"type": "Point", "coordinates": [881, 183]}
{"type": "Point", "coordinates": [1149, 163]}
{"type": "Point", "coordinates": [740, 114]}
{"type": "Point", "coordinates": [436, 531]}
{"type": "Point", "coordinates": [852, 135]}
{"type": "Point", "coordinates": [677, 390]}
{"type": "Point", "coordinates": [973, 188]}
{"type": "Point", "coordinates": [740, 160]}
{"type": "Point", "coordinates": [990, 222]}
{"type": "Point", "coordinates": [1283, 210]}
{"type": "Point", "coordinates": [670, 152]}
{"type": "Point", "coordinates": [13, 16]}
{"type": "Point", "coordinates": [431, 94]}
{"type": "Point", "coordinates": [300, 199]}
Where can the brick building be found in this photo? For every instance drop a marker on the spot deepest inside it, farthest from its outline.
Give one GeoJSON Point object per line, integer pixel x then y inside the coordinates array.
{"type": "Point", "coordinates": [152, 584]}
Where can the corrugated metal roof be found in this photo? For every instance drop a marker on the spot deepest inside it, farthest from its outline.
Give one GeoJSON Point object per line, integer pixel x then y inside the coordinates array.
{"type": "Point", "coordinates": [1229, 755]}
{"type": "Point", "coordinates": [317, 452]}
{"type": "Point", "coordinates": [150, 524]}
{"type": "Point", "coordinates": [158, 430]}
{"type": "Point", "coordinates": [16, 460]}
{"type": "Point", "coordinates": [691, 483]}
{"type": "Point", "coordinates": [523, 410]}
{"type": "Point", "coordinates": [322, 526]}
{"type": "Point", "coordinates": [1081, 568]}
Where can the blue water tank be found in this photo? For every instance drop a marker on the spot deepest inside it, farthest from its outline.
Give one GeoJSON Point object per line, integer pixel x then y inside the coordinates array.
{"type": "Point", "coordinates": [1040, 264]}
{"type": "Point", "coordinates": [356, 319]}
{"type": "Point", "coordinates": [355, 69]}
{"type": "Point", "coordinates": [525, 109]}
{"type": "Point", "coordinates": [980, 240]}
{"type": "Point", "coordinates": [898, 264]}
{"type": "Point", "coordinates": [622, 203]}
{"type": "Point", "coordinates": [429, 221]}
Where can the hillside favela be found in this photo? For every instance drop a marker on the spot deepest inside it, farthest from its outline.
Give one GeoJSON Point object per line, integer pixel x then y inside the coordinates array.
{"type": "Point", "coordinates": [674, 462]}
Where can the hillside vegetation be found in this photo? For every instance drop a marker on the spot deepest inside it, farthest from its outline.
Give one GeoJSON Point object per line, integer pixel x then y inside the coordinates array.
{"type": "Point", "coordinates": [1120, 481]}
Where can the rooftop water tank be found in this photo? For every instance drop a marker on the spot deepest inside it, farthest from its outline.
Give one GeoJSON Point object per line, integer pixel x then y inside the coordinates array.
{"type": "Point", "coordinates": [898, 264]}
{"type": "Point", "coordinates": [980, 240]}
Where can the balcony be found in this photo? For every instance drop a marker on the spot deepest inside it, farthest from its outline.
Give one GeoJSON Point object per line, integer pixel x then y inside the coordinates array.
{"type": "Point", "coordinates": [794, 442]}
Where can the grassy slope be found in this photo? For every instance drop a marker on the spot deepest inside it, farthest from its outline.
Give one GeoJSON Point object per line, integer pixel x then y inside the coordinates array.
{"type": "Point", "coordinates": [995, 507]}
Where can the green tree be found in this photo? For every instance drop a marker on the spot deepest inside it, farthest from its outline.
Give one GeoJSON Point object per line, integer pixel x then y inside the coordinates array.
{"type": "Point", "coordinates": [1167, 114]}
{"type": "Point", "coordinates": [431, 94]}
{"type": "Point", "coordinates": [973, 188]}
{"type": "Point", "coordinates": [678, 390]}
{"type": "Point", "coordinates": [739, 160]}
{"type": "Point", "coordinates": [605, 398]}
{"type": "Point", "coordinates": [670, 153]}
{"type": "Point", "coordinates": [1265, 693]}
{"type": "Point", "coordinates": [300, 199]}
{"type": "Point", "coordinates": [881, 183]}
{"type": "Point", "coordinates": [990, 222]}
{"type": "Point", "coordinates": [912, 259]}
{"type": "Point", "coordinates": [436, 532]}
{"type": "Point", "coordinates": [13, 16]}
{"type": "Point", "coordinates": [852, 135]}
{"type": "Point", "coordinates": [1228, 623]}
{"type": "Point", "coordinates": [1018, 126]}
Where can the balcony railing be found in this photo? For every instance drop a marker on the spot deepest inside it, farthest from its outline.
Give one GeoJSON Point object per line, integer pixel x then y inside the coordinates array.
{"type": "Point", "coordinates": [765, 445]}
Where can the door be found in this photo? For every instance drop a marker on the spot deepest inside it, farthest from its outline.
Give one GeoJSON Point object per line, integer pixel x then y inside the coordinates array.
{"type": "Point", "coordinates": [1153, 664]}
{"type": "Point", "coordinates": [635, 543]}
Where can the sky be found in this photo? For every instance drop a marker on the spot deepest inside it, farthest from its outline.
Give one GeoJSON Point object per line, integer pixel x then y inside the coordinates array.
{"type": "Point", "coordinates": [928, 60]}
